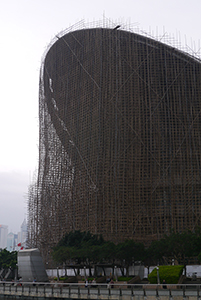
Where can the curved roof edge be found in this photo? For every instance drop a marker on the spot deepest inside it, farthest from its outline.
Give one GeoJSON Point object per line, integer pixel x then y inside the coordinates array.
{"type": "Point", "coordinates": [132, 28]}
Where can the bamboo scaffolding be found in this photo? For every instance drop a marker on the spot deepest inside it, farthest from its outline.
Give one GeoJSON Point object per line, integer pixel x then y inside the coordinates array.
{"type": "Point", "coordinates": [120, 139]}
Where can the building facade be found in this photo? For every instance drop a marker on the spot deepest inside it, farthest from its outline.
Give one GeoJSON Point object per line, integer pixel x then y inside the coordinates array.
{"type": "Point", "coordinates": [12, 241]}
{"type": "Point", "coordinates": [120, 139]}
{"type": "Point", "coordinates": [3, 236]}
{"type": "Point", "coordinates": [22, 236]}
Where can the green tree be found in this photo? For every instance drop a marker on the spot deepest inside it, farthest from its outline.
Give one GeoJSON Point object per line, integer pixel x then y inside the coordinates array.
{"type": "Point", "coordinates": [129, 251]}
{"type": "Point", "coordinates": [82, 247]}
{"type": "Point", "coordinates": [8, 259]}
{"type": "Point", "coordinates": [64, 255]}
{"type": "Point", "coordinates": [157, 250]}
{"type": "Point", "coordinates": [178, 246]}
{"type": "Point", "coordinates": [77, 238]}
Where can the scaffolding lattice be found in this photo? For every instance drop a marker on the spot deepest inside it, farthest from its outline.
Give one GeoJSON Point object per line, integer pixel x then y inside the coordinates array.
{"type": "Point", "coordinates": [120, 140]}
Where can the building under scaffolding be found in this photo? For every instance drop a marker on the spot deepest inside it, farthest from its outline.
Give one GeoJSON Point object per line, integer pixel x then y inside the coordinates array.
{"type": "Point", "coordinates": [120, 139]}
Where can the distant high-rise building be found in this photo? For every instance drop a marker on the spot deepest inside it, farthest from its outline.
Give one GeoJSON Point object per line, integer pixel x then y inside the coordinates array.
{"type": "Point", "coordinates": [12, 241]}
{"type": "Point", "coordinates": [23, 234]}
{"type": "Point", "coordinates": [3, 236]}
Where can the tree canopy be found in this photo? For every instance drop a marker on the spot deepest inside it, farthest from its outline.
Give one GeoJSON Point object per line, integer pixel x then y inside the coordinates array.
{"type": "Point", "coordinates": [87, 249]}
{"type": "Point", "coordinates": [8, 259]}
{"type": "Point", "coordinates": [177, 246]}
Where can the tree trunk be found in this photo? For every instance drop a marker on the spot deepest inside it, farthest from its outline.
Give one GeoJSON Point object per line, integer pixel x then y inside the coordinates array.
{"type": "Point", "coordinates": [90, 274]}
{"type": "Point", "coordinates": [127, 270]}
{"type": "Point", "coordinates": [95, 271]}
{"type": "Point", "coordinates": [75, 271]}
{"type": "Point", "coordinates": [122, 271]}
{"type": "Point", "coordinates": [104, 271]}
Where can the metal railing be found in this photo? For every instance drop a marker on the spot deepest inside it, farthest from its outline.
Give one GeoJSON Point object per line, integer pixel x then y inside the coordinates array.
{"type": "Point", "coordinates": [63, 290]}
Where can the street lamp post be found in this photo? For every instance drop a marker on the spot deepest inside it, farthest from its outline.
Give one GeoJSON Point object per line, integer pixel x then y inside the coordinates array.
{"type": "Point", "coordinates": [85, 273]}
{"type": "Point", "coordinates": [158, 278]}
{"type": "Point", "coordinates": [115, 272]}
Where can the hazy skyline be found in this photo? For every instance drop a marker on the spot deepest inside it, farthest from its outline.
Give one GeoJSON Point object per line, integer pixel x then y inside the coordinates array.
{"type": "Point", "coordinates": [26, 28]}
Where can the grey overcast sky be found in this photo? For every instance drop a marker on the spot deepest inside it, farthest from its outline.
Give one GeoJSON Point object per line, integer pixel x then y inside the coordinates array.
{"type": "Point", "coordinates": [26, 28]}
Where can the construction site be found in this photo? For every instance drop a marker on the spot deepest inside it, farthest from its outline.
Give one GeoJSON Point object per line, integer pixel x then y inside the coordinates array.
{"type": "Point", "coordinates": [119, 138]}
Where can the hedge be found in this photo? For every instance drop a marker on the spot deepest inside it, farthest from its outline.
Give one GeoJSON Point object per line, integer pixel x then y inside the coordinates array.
{"type": "Point", "coordinates": [171, 274]}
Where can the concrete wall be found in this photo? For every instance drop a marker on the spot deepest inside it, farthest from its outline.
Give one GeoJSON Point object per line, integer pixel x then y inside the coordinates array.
{"type": "Point", "coordinates": [30, 266]}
